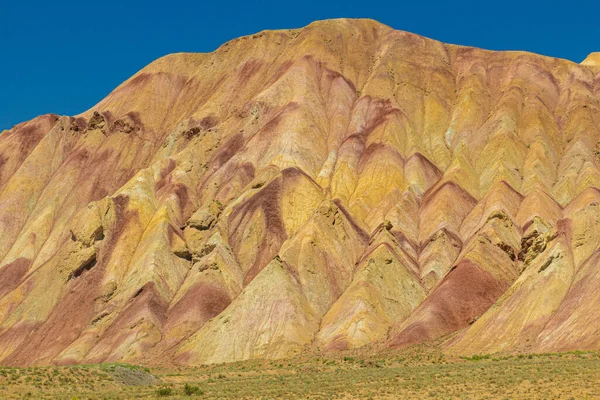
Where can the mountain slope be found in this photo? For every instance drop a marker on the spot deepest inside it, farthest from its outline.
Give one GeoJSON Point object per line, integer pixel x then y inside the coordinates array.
{"type": "Point", "coordinates": [326, 188]}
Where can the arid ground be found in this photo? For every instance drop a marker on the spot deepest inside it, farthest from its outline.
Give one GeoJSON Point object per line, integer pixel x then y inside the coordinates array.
{"type": "Point", "coordinates": [420, 372]}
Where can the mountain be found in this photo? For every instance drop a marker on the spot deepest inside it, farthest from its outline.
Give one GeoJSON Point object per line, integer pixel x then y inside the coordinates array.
{"type": "Point", "coordinates": [320, 189]}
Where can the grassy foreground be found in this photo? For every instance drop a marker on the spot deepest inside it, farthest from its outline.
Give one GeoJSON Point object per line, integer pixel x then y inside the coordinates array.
{"type": "Point", "coordinates": [419, 373]}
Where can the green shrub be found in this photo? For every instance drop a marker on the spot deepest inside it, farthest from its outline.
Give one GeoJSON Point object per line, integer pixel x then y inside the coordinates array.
{"type": "Point", "coordinates": [190, 390]}
{"type": "Point", "coordinates": [164, 392]}
{"type": "Point", "coordinates": [478, 357]}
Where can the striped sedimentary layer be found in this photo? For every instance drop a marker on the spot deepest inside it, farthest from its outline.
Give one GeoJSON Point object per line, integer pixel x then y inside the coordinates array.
{"type": "Point", "coordinates": [326, 188]}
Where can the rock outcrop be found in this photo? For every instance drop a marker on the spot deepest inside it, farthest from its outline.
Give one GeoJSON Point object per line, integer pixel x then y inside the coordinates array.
{"type": "Point", "coordinates": [326, 188]}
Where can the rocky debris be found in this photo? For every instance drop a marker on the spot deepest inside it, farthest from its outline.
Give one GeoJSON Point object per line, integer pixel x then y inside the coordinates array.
{"type": "Point", "coordinates": [77, 125]}
{"type": "Point", "coordinates": [132, 376]}
{"type": "Point", "coordinates": [87, 229]}
{"type": "Point", "coordinates": [508, 250]}
{"type": "Point", "coordinates": [203, 266]}
{"type": "Point", "coordinates": [534, 244]}
{"type": "Point", "coordinates": [107, 292]}
{"type": "Point", "coordinates": [205, 218]}
{"type": "Point", "coordinates": [191, 133]}
{"type": "Point", "coordinates": [86, 264]}
{"type": "Point", "coordinates": [87, 225]}
{"type": "Point", "coordinates": [76, 258]}
{"type": "Point", "coordinates": [206, 124]}
{"type": "Point", "coordinates": [74, 127]}
{"type": "Point", "coordinates": [206, 249]}
{"type": "Point", "coordinates": [330, 211]}
{"type": "Point", "coordinates": [124, 126]}
{"type": "Point", "coordinates": [186, 255]}
{"type": "Point", "coordinates": [547, 263]}
{"type": "Point", "coordinates": [97, 121]}
{"type": "Point", "coordinates": [180, 249]}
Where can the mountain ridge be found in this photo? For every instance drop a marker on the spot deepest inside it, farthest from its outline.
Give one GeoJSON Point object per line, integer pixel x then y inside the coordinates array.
{"type": "Point", "coordinates": [321, 189]}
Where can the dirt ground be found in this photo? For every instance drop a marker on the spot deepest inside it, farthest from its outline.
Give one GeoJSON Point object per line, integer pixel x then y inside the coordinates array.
{"type": "Point", "coordinates": [416, 373]}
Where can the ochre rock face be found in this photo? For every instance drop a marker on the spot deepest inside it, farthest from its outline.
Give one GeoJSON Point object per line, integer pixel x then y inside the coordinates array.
{"type": "Point", "coordinates": [337, 186]}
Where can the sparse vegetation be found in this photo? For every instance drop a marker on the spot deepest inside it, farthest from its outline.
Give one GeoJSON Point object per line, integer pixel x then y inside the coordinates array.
{"type": "Point", "coordinates": [190, 390]}
{"type": "Point", "coordinates": [477, 357]}
{"type": "Point", "coordinates": [164, 392]}
{"type": "Point", "coordinates": [419, 372]}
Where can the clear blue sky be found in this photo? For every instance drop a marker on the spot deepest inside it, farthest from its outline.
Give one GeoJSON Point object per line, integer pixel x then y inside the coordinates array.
{"type": "Point", "coordinates": [63, 57]}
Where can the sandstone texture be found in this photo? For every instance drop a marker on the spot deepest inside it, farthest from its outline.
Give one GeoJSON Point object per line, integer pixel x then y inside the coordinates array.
{"type": "Point", "coordinates": [320, 189]}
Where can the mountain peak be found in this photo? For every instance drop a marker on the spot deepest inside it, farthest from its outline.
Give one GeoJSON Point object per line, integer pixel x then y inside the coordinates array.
{"type": "Point", "coordinates": [592, 59]}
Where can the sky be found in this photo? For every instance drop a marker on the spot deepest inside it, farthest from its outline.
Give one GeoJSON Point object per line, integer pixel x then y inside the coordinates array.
{"type": "Point", "coordinates": [65, 56]}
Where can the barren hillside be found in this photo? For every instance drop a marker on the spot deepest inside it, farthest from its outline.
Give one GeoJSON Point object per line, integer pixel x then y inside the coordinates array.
{"type": "Point", "coordinates": [326, 188]}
